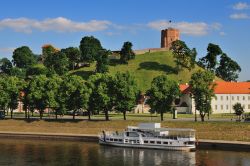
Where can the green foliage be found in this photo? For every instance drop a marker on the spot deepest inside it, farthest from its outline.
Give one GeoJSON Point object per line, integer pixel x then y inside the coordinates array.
{"type": "Point", "coordinates": [74, 93]}
{"type": "Point", "coordinates": [209, 62]}
{"type": "Point", "coordinates": [57, 62]}
{"type": "Point", "coordinates": [238, 109]}
{"type": "Point", "coordinates": [48, 50]}
{"type": "Point", "coordinates": [102, 61]}
{"type": "Point", "coordinates": [89, 47]}
{"type": "Point", "coordinates": [125, 92]}
{"type": "Point", "coordinates": [228, 69]}
{"type": "Point", "coordinates": [101, 98]}
{"type": "Point", "coordinates": [127, 52]}
{"type": "Point", "coordinates": [23, 57]}
{"type": "Point", "coordinates": [5, 66]}
{"type": "Point", "coordinates": [36, 91]}
{"type": "Point", "coordinates": [18, 72]}
{"type": "Point", "coordinates": [162, 94]}
{"type": "Point", "coordinates": [38, 69]}
{"type": "Point", "coordinates": [184, 57]}
{"type": "Point", "coordinates": [73, 54]}
{"type": "Point", "coordinates": [202, 89]}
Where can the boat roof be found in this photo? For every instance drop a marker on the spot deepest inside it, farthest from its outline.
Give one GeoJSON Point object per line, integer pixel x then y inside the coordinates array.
{"type": "Point", "coordinates": [164, 129]}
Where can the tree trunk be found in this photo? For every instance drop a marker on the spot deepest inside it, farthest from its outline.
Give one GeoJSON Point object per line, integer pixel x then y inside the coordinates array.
{"type": "Point", "coordinates": [56, 114]}
{"type": "Point", "coordinates": [208, 115]}
{"type": "Point", "coordinates": [28, 113]}
{"type": "Point", "coordinates": [202, 117]}
{"type": "Point", "coordinates": [41, 114]}
{"type": "Point", "coordinates": [74, 114]}
{"type": "Point", "coordinates": [195, 115]}
{"type": "Point", "coordinates": [124, 115]}
{"type": "Point", "coordinates": [25, 111]}
{"type": "Point", "coordinates": [11, 113]}
{"type": "Point", "coordinates": [89, 114]}
{"type": "Point", "coordinates": [161, 116]}
{"type": "Point", "coordinates": [106, 115]}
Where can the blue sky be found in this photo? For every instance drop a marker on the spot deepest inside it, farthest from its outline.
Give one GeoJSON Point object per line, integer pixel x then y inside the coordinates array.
{"type": "Point", "coordinates": [63, 23]}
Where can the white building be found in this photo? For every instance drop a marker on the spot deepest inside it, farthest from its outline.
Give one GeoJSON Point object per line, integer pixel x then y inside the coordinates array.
{"type": "Point", "coordinates": [226, 95]}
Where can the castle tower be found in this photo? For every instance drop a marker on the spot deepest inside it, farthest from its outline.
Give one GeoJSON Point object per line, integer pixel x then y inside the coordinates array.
{"type": "Point", "coordinates": [168, 36]}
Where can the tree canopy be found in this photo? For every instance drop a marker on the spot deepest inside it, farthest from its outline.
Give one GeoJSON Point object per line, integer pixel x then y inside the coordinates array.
{"type": "Point", "coordinates": [228, 69]}
{"type": "Point", "coordinates": [102, 61]}
{"type": "Point", "coordinates": [5, 66]}
{"type": "Point", "coordinates": [89, 47]}
{"type": "Point", "coordinates": [162, 94]}
{"type": "Point", "coordinates": [184, 57]}
{"type": "Point", "coordinates": [202, 90]}
{"type": "Point", "coordinates": [23, 57]}
{"type": "Point", "coordinates": [127, 52]}
{"type": "Point", "coordinates": [238, 109]}
{"type": "Point", "coordinates": [73, 54]}
{"type": "Point", "coordinates": [209, 62]}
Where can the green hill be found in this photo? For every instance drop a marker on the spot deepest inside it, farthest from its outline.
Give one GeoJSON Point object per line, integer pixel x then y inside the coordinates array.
{"type": "Point", "coordinates": [144, 68]}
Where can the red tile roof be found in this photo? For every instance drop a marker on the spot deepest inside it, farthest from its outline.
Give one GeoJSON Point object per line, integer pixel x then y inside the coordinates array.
{"type": "Point", "coordinates": [224, 88]}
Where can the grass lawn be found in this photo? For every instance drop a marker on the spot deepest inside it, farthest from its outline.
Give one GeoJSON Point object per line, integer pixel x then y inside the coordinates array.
{"type": "Point", "coordinates": [207, 130]}
{"type": "Point", "coordinates": [144, 68]}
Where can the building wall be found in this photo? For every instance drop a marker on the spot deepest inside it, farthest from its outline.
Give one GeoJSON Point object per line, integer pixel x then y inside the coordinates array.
{"type": "Point", "coordinates": [168, 36]}
{"type": "Point", "coordinates": [222, 103]}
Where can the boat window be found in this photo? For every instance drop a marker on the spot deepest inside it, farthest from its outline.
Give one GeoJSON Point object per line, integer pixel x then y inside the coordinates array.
{"type": "Point", "coordinates": [137, 141]}
{"type": "Point", "coordinates": [126, 140]}
{"type": "Point", "coordinates": [190, 143]}
{"type": "Point", "coordinates": [120, 140]}
{"type": "Point", "coordinates": [145, 142]}
{"type": "Point", "coordinates": [132, 134]}
{"type": "Point", "coordinates": [170, 143]}
{"type": "Point", "coordinates": [111, 139]}
{"type": "Point", "coordinates": [158, 142]}
{"type": "Point", "coordinates": [165, 142]}
{"type": "Point", "coordinates": [115, 139]}
{"type": "Point", "coordinates": [107, 139]}
{"type": "Point", "coordinates": [152, 142]}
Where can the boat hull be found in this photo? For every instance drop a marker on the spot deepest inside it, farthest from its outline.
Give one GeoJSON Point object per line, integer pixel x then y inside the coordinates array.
{"type": "Point", "coordinates": [176, 148]}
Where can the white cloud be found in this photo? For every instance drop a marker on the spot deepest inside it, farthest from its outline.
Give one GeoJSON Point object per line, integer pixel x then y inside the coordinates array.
{"type": "Point", "coordinates": [59, 24]}
{"type": "Point", "coordinates": [222, 33]}
{"type": "Point", "coordinates": [238, 16]}
{"type": "Point", "coordinates": [7, 49]}
{"type": "Point", "coordinates": [241, 6]}
{"type": "Point", "coordinates": [188, 28]}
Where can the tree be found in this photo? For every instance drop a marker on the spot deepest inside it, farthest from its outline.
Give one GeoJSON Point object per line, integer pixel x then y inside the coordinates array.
{"type": "Point", "coordinates": [14, 86]}
{"type": "Point", "coordinates": [38, 69]}
{"type": "Point", "coordinates": [52, 94]}
{"type": "Point", "coordinates": [5, 66]}
{"type": "Point", "coordinates": [74, 93]}
{"type": "Point", "coordinates": [101, 98]}
{"type": "Point", "coordinates": [184, 57]}
{"type": "Point", "coordinates": [127, 52]}
{"type": "Point", "coordinates": [102, 61]}
{"type": "Point", "coordinates": [209, 62]}
{"type": "Point", "coordinates": [125, 92]}
{"type": "Point", "coordinates": [162, 93]}
{"type": "Point", "coordinates": [36, 91]}
{"type": "Point", "coordinates": [238, 109]}
{"type": "Point", "coordinates": [202, 90]}
{"type": "Point", "coordinates": [73, 54]}
{"type": "Point", "coordinates": [89, 47]}
{"type": "Point", "coordinates": [47, 50]}
{"type": "Point", "coordinates": [18, 72]}
{"type": "Point", "coordinates": [57, 62]}
{"type": "Point", "coordinates": [23, 57]}
{"type": "Point", "coordinates": [228, 69]}
{"type": "Point", "coordinates": [4, 97]}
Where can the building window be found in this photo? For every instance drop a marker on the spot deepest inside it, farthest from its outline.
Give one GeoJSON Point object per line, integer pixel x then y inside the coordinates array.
{"type": "Point", "coordinates": [221, 97]}
{"type": "Point", "coordinates": [227, 107]}
{"type": "Point", "coordinates": [248, 97]}
{"type": "Point", "coordinates": [248, 106]}
{"type": "Point", "coordinates": [238, 98]}
{"type": "Point", "coordinates": [227, 97]}
{"type": "Point", "coordinates": [232, 98]}
{"type": "Point", "coordinates": [243, 106]}
{"type": "Point", "coordinates": [243, 98]}
{"type": "Point", "coordinates": [215, 107]}
{"type": "Point", "coordinates": [221, 107]}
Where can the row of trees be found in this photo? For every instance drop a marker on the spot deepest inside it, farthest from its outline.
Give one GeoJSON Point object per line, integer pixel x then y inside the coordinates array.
{"type": "Point", "coordinates": [101, 93]}
{"type": "Point", "coordinates": [55, 61]}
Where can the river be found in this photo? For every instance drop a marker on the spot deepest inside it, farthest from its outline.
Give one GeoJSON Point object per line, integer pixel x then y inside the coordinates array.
{"type": "Point", "coordinates": [59, 153]}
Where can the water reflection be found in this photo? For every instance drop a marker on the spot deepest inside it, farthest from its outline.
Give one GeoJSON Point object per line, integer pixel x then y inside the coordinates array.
{"type": "Point", "coordinates": [58, 153]}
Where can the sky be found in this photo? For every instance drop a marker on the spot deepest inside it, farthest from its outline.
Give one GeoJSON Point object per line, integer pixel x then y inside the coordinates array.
{"type": "Point", "coordinates": [63, 23]}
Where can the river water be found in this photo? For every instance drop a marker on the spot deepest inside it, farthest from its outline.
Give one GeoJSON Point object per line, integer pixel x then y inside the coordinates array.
{"type": "Point", "coordinates": [60, 153]}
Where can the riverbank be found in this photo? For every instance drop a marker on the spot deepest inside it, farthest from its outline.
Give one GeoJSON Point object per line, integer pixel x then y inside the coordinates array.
{"type": "Point", "coordinates": [201, 144]}
{"type": "Point", "coordinates": [228, 131]}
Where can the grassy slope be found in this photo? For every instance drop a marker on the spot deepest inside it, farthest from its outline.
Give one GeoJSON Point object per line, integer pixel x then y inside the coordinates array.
{"type": "Point", "coordinates": [145, 67]}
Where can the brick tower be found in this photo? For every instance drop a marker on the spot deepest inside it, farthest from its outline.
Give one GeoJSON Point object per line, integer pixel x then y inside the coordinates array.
{"type": "Point", "coordinates": [168, 36]}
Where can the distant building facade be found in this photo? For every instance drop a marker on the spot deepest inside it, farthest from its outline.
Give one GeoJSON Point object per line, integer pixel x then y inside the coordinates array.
{"type": "Point", "coordinates": [226, 95]}
{"type": "Point", "coordinates": [168, 36]}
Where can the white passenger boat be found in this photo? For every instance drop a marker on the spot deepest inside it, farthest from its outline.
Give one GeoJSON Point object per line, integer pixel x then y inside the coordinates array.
{"type": "Point", "coordinates": [151, 135]}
